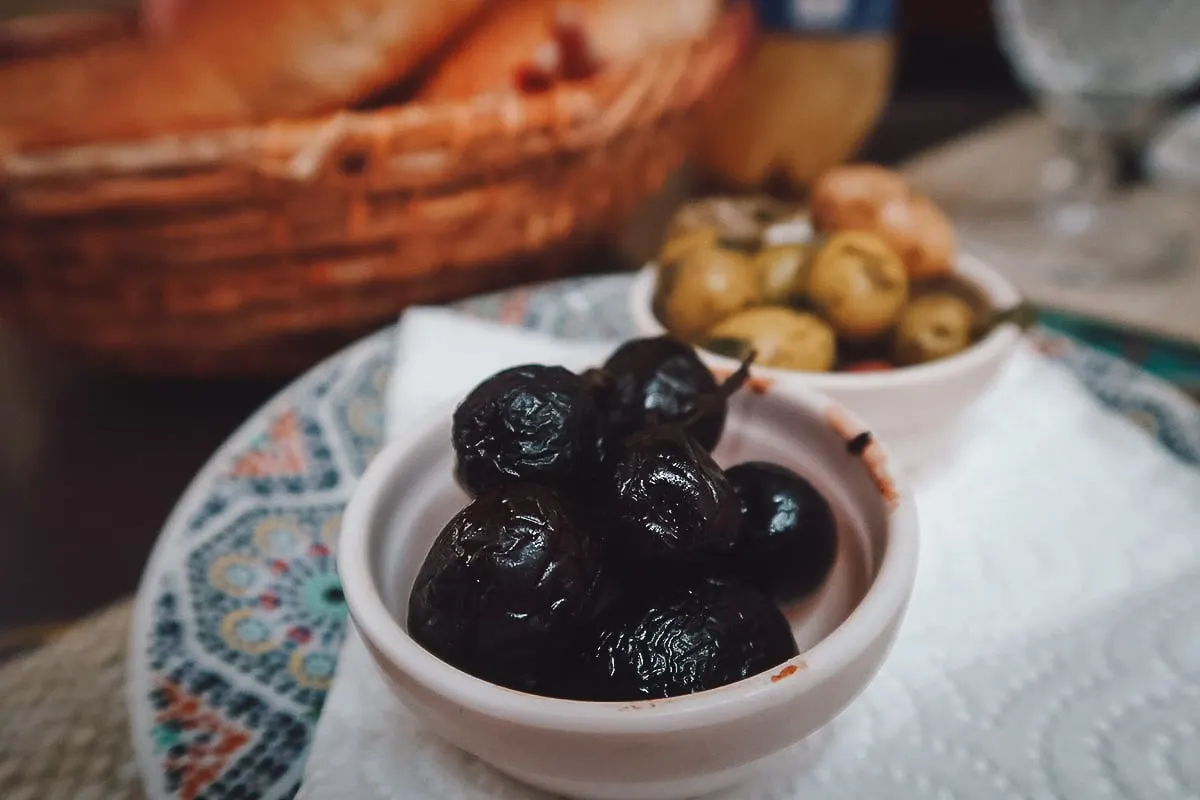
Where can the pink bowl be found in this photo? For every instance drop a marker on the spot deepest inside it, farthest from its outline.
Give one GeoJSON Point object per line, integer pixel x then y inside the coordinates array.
{"type": "Point", "coordinates": [654, 749]}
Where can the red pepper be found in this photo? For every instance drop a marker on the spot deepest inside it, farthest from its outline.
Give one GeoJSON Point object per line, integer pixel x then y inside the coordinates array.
{"type": "Point", "coordinates": [869, 366]}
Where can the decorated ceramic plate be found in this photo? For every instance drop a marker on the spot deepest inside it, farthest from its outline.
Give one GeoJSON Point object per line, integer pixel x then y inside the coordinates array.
{"type": "Point", "coordinates": [240, 615]}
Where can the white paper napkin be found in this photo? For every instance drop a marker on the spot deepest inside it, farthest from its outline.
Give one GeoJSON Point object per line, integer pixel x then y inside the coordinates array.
{"type": "Point", "coordinates": [1051, 649]}
{"type": "Point", "coordinates": [441, 355]}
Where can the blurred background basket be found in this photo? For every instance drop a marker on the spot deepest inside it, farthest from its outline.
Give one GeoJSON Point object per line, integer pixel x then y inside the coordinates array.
{"type": "Point", "coordinates": [256, 251]}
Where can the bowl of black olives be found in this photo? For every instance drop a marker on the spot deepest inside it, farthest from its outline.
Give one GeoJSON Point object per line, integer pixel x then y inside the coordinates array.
{"type": "Point", "coordinates": [634, 579]}
{"type": "Point", "coordinates": [899, 326]}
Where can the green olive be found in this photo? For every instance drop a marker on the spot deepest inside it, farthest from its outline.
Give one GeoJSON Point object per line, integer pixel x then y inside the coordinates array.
{"type": "Point", "coordinates": [858, 283]}
{"type": "Point", "coordinates": [680, 244]}
{"type": "Point", "coordinates": [664, 281]}
{"type": "Point", "coordinates": [781, 271]}
{"type": "Point", "coordinates": [780, 337]}
{"type": "Point", "coordinates": [933, 326]}
{"type": "Point", "coordinates": [705, 288]}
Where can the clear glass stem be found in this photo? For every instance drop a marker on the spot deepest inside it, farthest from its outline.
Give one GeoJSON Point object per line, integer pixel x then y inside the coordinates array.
{"type": "Point", "coordinates": [1077, 179]}
{"type": "Point", "coordinates": [1084, 229]}
{"type": "Point", "coordinates": [1080, 178]}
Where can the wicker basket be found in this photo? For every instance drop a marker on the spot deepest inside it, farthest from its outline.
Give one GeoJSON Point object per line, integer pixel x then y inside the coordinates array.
{"type": "Point", "coordinates": [258, 250]}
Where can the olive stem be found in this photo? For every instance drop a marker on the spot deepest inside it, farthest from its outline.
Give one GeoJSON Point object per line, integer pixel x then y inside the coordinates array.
{"type": "Point", "coordinates": [704, 404]}
{"type": "Point", "coordinates": [1024, 315]}
{"type": "Point", "coordinates": [738, 379]}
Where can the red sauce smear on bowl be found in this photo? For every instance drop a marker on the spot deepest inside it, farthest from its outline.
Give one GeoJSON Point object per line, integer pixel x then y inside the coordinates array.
{"type": "Point", "coordinates": [789, 670]}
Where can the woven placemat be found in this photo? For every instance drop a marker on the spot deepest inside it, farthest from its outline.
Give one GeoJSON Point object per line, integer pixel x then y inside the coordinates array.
{"type": "Point", "coordinates": [64, 733]}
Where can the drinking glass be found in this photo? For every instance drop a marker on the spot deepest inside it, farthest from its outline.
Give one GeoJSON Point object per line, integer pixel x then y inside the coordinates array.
{"type": "Point", "coordinates": [1100, 70]}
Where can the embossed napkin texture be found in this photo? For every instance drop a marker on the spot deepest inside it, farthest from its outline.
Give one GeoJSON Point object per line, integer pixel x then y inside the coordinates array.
{"type": "Point", "coordinates": [1051, 649]}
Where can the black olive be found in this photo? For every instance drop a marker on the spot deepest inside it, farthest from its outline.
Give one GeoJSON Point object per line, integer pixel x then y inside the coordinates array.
{"type": "Point", "coordinates": [661, 380]}
{"type": "Point", "coordinates": [679, 639]}
{"type": "Point", "coordinates": [670, 505]}
{"type": "Point", "coordinates": [528, 423]}
{"type": "Point", "coordinates": [788, 535]}
{"type": "Point", "coordinates": [506, 585]}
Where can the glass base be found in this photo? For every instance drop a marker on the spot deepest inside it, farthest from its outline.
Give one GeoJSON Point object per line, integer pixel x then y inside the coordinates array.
{"type": "Point", "coordinates": [1079, 245]}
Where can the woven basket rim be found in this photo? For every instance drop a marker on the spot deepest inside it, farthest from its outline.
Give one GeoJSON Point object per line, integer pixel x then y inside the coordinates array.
{"type": "Point", "coordinates": [226, 252]}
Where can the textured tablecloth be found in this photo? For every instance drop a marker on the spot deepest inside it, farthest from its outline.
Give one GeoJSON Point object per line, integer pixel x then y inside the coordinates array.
{"type": "Point", "coordinates": [64, 732]}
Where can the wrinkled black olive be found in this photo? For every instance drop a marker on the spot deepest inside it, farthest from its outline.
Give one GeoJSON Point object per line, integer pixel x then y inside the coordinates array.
{"type": "Point", "coordinates": [680, 639]}
{"type": "Point", "coordinates": [528, 423]}
{"type": "Point", "coordinates": [788, 536]}
{"type": "Point", "coordinates": [670, 505]}
{"type": "Point", "coordinates": [661, 380]}
{"type": "Point", "coordinates": [506, 584]}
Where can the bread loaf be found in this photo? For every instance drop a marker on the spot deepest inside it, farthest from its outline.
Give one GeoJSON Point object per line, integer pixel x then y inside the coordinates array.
{"type": "Point", "coordinates": [523, 44]}
{"type": "Point", "coordinates": [232, 62]}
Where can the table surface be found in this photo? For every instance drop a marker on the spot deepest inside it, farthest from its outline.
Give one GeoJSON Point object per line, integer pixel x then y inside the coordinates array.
{"type": "Point", "coordinates": [91, 464]}
{"type": "Point", "coordinates": [1163, 308]}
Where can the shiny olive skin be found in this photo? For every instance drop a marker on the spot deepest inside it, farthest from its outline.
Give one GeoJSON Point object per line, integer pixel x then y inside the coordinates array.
{"type": "Point", "coordinates": [858, 283]}
{"type": "Point", "coordinates": [505, 585]}
{"type": "Point", "coordinates": [866, 197]}
{"type": "Point", "coordinates": [787, 537]}
{"type": "Point", "coordinates": [781, 272]}
{"type": "Point", "coordinates": [671, 508]}
{"type": "Point", "coordinates": [527, 423]}
{"type": "Point", "coordinates": [933, 327]}
{"type": "Point", "coordinates": [678, 639]}
{"type": "Point", "coordinates": [680, 244]}
{"type": "Point", "coordinates": [661, 380]}
{"type": "Point", "coordinates": [780, 337]}
{"type": "Point", "coordinates": [707, 286]}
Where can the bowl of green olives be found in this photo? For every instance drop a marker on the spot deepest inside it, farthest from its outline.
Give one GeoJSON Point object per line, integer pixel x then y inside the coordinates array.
{"type": "Point", "coordinates": [907, 338]}
{"type": "Point", "coordinates": [631, 579]}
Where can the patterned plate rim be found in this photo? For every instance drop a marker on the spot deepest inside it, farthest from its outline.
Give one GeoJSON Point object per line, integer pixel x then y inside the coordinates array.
{"type": "Point", "coordinates": [138, 673]}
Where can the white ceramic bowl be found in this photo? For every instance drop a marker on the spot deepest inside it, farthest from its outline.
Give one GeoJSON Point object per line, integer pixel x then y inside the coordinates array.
{"type": "Point", "coordinates": [679, 747]}
{"type": "Point", "coordinates": [915, 409]}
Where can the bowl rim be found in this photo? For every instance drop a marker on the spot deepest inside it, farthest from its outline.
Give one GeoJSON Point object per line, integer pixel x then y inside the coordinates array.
{"type": "Point", "coordinates": [999, 291]}
{"type": "Point", "coordinates": [877, 613]}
